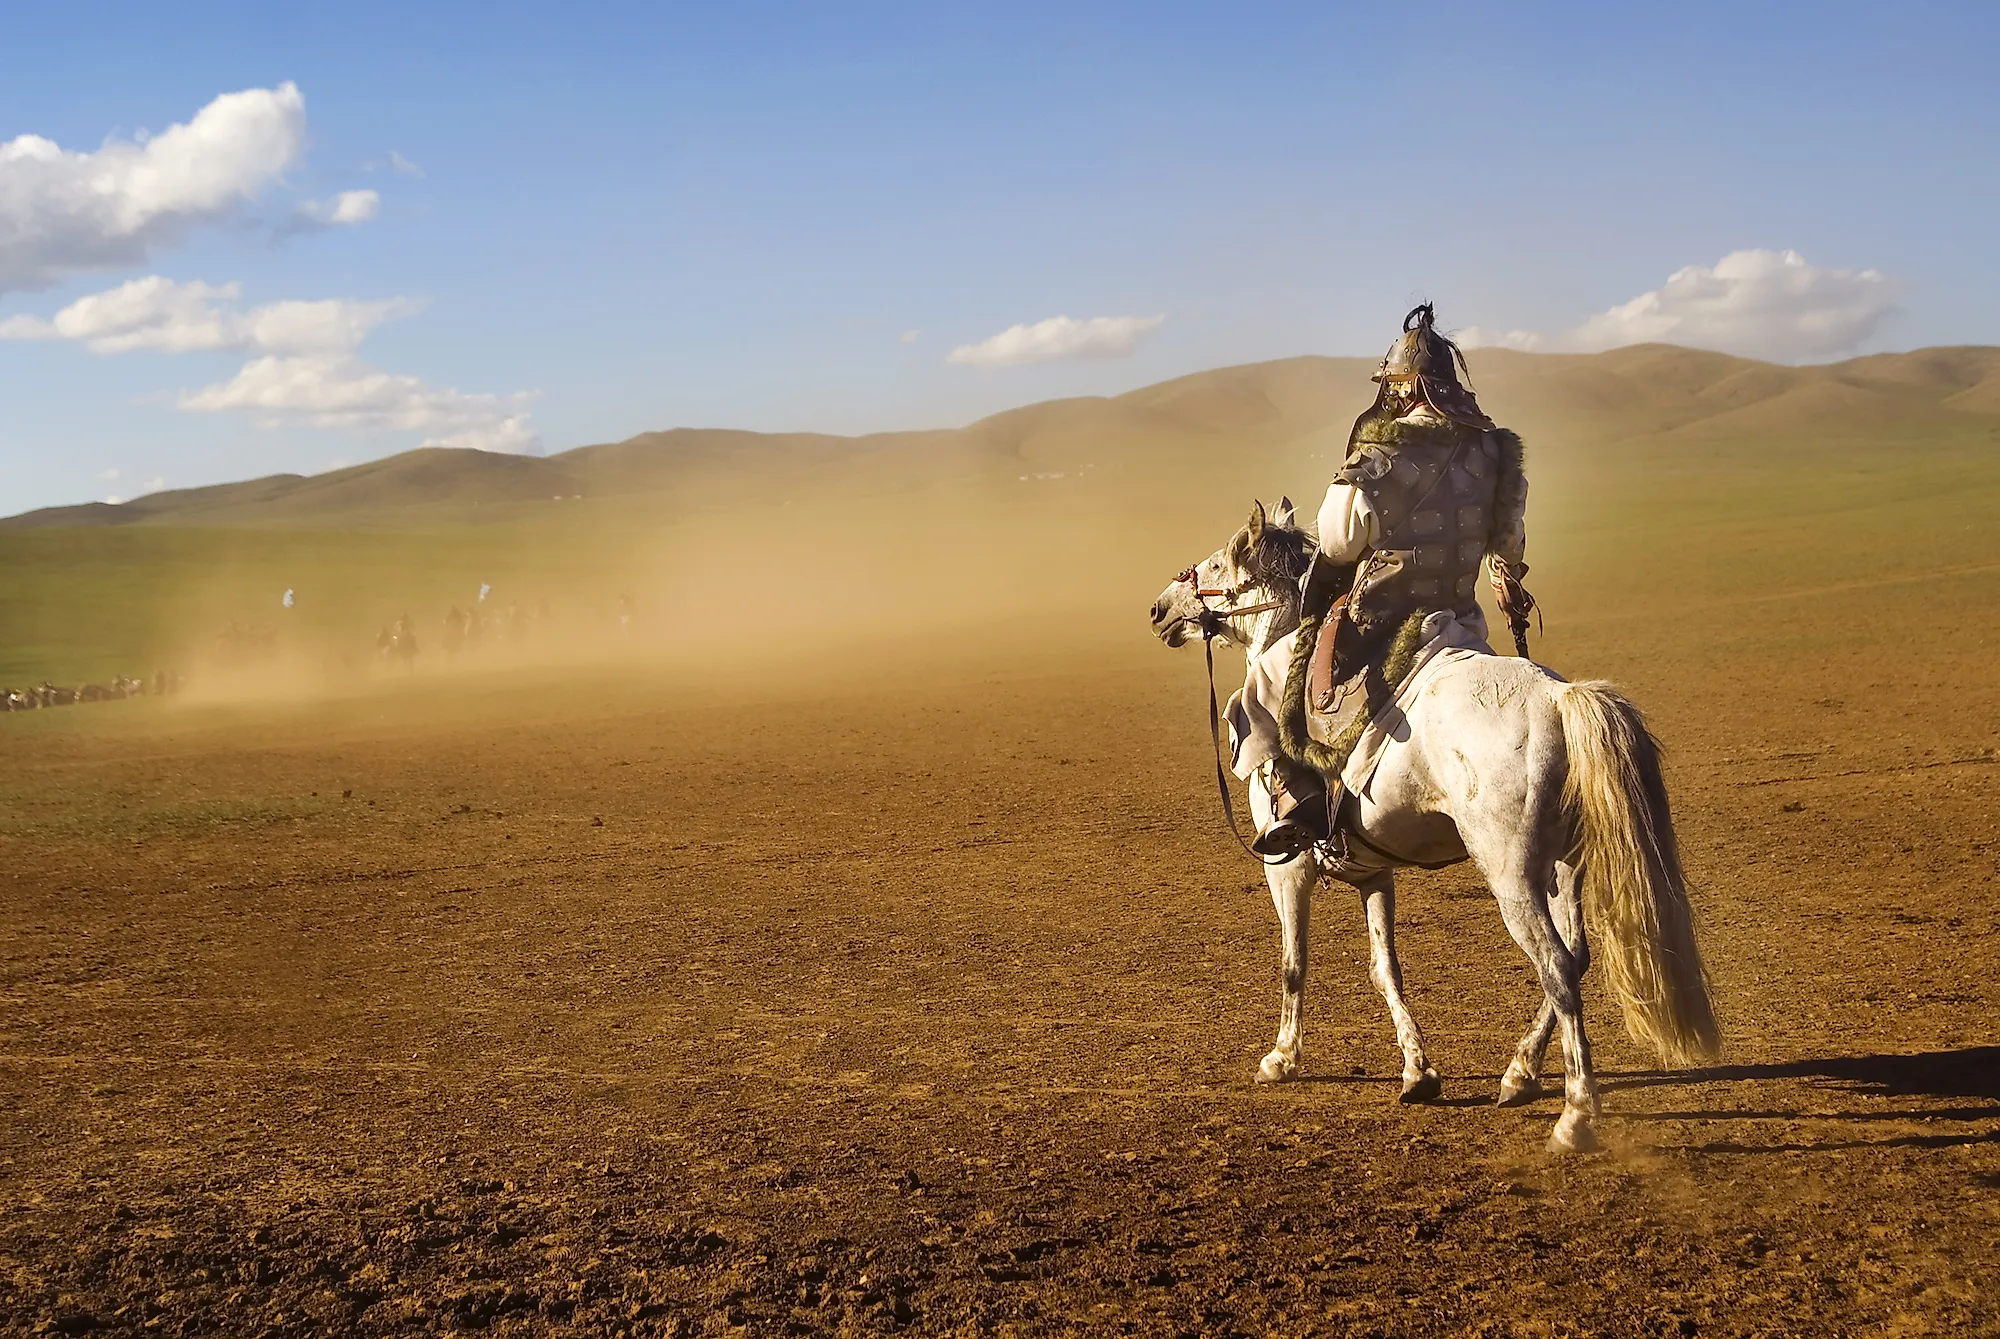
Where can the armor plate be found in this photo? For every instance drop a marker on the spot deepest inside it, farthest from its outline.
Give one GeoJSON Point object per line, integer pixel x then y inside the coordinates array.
{"type": "Point", "coordinates": [1433, 489]}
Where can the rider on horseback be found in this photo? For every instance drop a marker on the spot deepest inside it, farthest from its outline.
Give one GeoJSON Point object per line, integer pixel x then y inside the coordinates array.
{"type": "Point", "coordinates": [1429, 489]}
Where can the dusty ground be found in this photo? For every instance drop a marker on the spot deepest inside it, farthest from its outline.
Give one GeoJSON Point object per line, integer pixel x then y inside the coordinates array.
{"type": "Point", "coordinates": [641, 1010]}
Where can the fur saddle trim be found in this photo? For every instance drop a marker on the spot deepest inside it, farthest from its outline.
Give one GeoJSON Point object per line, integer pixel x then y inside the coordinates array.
{"type": "Point", "coordinates": [1384, 677]}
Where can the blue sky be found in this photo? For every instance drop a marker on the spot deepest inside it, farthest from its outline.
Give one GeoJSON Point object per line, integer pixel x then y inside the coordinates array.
{"type": "Point", "coordinates": [605, 219]}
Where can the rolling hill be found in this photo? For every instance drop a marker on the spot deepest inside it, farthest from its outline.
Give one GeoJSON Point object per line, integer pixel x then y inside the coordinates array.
{"type": "Point", "coordinates": [1657, 473]}
{"type": "Point", "coordinates": [1292, 407]}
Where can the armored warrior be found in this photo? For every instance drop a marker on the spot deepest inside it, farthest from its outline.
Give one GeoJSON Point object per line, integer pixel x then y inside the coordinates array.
{"type": "Point", "coordinates": [1430, 489]}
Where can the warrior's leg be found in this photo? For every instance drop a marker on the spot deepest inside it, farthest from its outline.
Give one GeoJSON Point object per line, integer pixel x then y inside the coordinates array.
{"type": "Point", "coordinates": [1522, 1082]}
{"type": "Point", "coordinates": [1298, 805]}
{"type": "Point", "coordinates": [1378, 898]}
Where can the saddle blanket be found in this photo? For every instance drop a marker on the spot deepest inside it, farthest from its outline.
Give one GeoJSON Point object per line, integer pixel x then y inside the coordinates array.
{"type": "Point", "coordinates": [1253, 710]}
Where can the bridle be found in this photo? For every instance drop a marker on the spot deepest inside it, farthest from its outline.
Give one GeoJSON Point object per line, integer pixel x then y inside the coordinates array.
{"type": "Point", "coordinates": [1211, 621]}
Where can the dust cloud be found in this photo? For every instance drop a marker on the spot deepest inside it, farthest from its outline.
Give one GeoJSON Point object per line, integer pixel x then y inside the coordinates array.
{"type": "Point", "coordinates": [850, 591]}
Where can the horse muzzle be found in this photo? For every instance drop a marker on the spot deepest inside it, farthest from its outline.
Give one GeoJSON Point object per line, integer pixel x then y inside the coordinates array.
{"type": "Point", "coordinates": [1170, 625]}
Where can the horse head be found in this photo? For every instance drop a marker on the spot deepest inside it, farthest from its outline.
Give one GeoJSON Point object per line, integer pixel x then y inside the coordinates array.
{"type": "Point", "coordinates": [1246, 590]}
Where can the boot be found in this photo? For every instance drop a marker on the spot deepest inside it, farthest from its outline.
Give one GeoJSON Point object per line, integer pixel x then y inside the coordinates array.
{"type": "Point", "coordinates": [1299, 809]}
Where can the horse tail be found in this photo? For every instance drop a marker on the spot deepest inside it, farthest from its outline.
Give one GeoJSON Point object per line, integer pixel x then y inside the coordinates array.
{"type": "Point", "coordinates": [1634, 894]}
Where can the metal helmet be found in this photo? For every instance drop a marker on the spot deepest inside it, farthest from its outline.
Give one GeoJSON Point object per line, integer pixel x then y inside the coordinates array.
{"type": "Point", "coordinates": [1429, 362]}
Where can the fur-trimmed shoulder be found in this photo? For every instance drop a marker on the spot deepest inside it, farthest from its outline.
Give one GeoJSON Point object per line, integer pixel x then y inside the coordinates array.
{"type": "Point", "coordinates": [1401, 433]}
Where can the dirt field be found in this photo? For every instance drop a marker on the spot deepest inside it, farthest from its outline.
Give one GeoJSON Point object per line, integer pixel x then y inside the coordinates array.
{"type": "Point", "coordinates": [635, 1006]}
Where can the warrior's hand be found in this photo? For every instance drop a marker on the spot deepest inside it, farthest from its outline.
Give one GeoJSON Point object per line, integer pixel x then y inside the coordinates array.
{"type": "Point", "coordinates": [1514, 600]}
{"type": "Point", "coordinates": [1324, 583]}
{"type": "Point", "coordinates": [1509, 593]}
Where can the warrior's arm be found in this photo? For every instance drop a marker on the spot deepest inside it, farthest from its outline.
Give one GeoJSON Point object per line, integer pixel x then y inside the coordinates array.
{"type": "Point", "coordinates": [1508, 542]}
{"type": "Point", "coordinates": [1509, 537]}
{"type": "Point", "coordinates": [1348, 527]}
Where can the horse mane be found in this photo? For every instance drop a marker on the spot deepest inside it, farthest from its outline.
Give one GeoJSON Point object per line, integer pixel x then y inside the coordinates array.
{"type": "Point", "coordinates": [1277, 555]}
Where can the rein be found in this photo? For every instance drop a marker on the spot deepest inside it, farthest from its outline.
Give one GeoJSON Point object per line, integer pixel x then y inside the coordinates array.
{"type": "Point", "coordinates": [1210, 622]}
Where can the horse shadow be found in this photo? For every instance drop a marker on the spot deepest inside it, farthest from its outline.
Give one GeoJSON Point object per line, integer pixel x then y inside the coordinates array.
{"type": "Point", "coordinates": [1966, 1073]}
{"type": "Point", "coordinates": [1972, 1071]}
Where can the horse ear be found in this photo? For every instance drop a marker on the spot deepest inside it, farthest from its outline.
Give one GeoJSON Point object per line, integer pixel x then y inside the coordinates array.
{"type": "Point", "coordinates": [1285, 514]}
{"type": "Point", "coordinates": [1257, 519]}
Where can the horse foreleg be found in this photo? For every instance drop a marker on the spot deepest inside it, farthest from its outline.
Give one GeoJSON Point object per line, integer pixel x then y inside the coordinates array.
{"type": "Point", "coordinates": [1292, 885]}
{"type": "Point", "coordinates": [1291, 893]}
{"type": "Point", "coordinates": [1522, 1083]}
{"type": "Point", "coordinates": [1378, 900]}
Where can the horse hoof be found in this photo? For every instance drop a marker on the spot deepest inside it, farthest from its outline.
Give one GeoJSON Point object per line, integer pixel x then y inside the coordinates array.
{"type": "Point", "coordinates": [1425, 1087]}
{"type": "Point", "coordinates": [1573, 1134]}
{"type": "Point", "coordinates": [1278, 1068]}
{"type": "Point", "coordinates": [1518, 1092]}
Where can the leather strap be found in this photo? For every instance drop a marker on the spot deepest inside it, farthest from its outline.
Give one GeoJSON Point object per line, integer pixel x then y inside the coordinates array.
{"type": "Point", "coordinates": [1221, 777]}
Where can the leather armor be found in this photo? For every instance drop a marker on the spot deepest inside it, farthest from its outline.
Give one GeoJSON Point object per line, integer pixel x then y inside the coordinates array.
{"type": "Point", "coordinates": [1433, 485]}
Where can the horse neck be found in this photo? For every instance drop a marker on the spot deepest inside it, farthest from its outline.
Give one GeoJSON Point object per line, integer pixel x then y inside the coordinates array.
{"type": "Point", "coordinates": [1268, 627]}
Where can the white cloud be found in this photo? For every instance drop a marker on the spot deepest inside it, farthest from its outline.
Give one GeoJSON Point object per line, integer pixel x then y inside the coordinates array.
{"type": "Point", "coordinates": [159, 314]}
{"type": "Point", "coordinates": [113, 499]}
{"type": "Point", "coordinates": [306, 372]}
{"type": "Point", "coordinates": [1057, 338]}
{"type": "Point", "coordinates": [1479, 337]}
{"type": "Point", "coordinates": [65, 212]}
{"type": "Point", "coordinates": [343, 392]}
{"type": "Point", "coordinates": [154, 484]}
{"type": "Point", "coordinates": [1759, 304]}
{"type": "Point", "coordinates": [909, 337]}
{"type": "Point", "coordinates": [402, 166]}
{"type": "Point", "coordinates": [348, 207]}
{"type": "Point", "coordinates": [109, 476]}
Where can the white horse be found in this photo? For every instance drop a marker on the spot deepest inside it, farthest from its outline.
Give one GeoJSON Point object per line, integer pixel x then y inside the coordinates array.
{"type": "Point", "coordinates": [1554, 792]}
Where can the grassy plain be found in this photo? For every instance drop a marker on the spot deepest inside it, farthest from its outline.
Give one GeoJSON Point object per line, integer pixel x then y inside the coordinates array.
{"type": "Point", "coordinates": [855, 948]}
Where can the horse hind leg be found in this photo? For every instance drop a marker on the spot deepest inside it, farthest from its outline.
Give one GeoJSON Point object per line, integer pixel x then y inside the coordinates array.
{"type": "Point", "coordinates": [1526, 910]}
{"type": "Point", "coordinates": [1522, 1083]}
{"type": "Point", "coordinates": [1378, 897]}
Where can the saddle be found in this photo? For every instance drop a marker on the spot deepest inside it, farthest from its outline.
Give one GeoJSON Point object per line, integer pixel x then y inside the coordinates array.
{"type": "Point", "coordinates": [1337, 684]}
{"type": "Point", "coordinates": [1323, 678]}
{"type": "Point", "coordinates": [1339, 681]}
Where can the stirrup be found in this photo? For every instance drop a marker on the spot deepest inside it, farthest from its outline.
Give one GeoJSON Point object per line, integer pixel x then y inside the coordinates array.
{"type": "Point", "coordinates": [1287, 837]}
